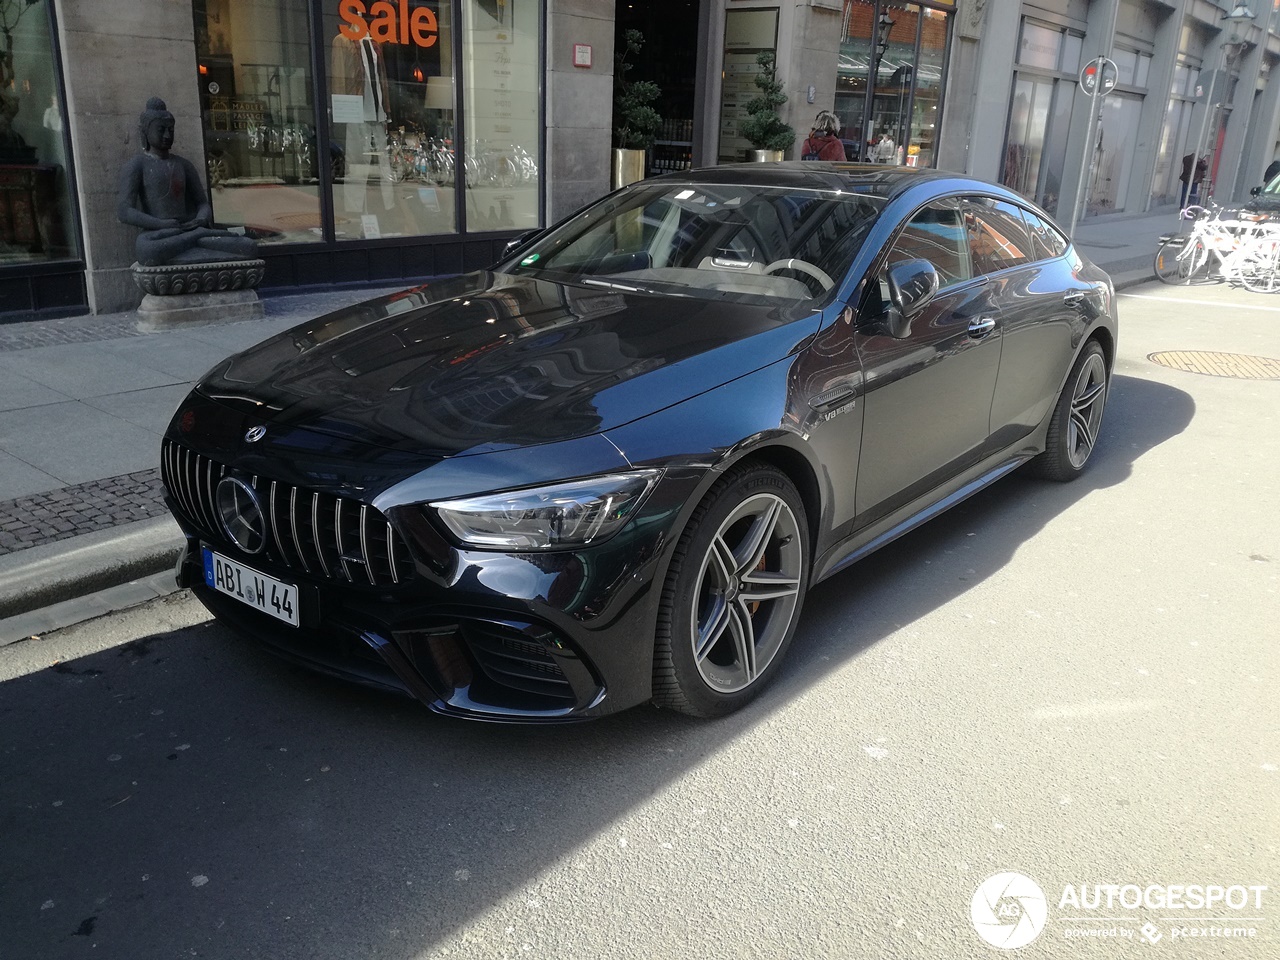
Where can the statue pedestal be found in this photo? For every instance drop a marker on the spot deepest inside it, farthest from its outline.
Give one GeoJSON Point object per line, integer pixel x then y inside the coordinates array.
{"type": "Point", "coordinates": [193, 294]}
{"type": "Point", "coordinates": [197, 309]}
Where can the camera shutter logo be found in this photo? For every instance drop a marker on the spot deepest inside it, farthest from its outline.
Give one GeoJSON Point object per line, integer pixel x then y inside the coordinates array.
{"type": "Point", "coordinates": [1009, 910]}
{"type": "Point", "coordinates": [241, 514]}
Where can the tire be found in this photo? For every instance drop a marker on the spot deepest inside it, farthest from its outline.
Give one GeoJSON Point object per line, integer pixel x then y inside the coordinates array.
{"type": "Point", "coordinates": [1077, 416]}
{"type": "Point", "coordinates": [733, 594]}
{"type": "Point", "coordinates": [1261, 274]}
{"type": "Point", "coordinates": [1180, 260]}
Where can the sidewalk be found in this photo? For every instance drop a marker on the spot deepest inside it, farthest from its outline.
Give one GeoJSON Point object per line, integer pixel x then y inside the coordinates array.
{"type": "Point", "coordinates": [84, 402]}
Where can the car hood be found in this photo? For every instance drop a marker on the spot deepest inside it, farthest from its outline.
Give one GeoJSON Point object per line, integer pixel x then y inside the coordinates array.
{"type": "Point", "coordinates": [490, 361]}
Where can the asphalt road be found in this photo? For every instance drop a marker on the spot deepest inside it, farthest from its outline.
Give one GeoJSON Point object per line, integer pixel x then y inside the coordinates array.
{"type": "Point", "coordinates": [1076, 683]}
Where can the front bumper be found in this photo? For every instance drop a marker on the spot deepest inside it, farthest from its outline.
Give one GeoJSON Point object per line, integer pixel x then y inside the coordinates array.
{"type": "Point", "coordinates": [535, 638]}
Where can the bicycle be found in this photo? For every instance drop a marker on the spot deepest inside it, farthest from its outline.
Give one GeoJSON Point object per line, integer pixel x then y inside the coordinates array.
{"type": "Point", "coordinates": [1222, 245]}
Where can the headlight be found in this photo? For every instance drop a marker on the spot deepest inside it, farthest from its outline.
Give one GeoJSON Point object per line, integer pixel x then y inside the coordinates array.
{"type": "Point", "coordinates": [562, 515]}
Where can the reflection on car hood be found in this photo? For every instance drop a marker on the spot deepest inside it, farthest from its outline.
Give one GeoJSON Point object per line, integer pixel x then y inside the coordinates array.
{"type": "Point", "coordinates": [489, 361]}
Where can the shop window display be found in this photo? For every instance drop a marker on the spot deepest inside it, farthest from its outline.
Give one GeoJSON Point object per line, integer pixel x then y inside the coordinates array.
{"type": "Point", "coordinates": [253, 61]}
{"type": "Point", "coordinates": [392, 113]}
{"type": "Point", "coordinates": [36, 222]}
{"type": "Point", "coordinates": [502, 76]}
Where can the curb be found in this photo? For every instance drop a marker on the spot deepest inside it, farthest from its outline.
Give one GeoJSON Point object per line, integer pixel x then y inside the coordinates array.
{"type": "Point", "coordinates": [55, 572]}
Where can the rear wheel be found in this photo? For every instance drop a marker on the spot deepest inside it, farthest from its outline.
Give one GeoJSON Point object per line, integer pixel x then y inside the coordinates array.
{"type": "Point", "coordinates": [1073, 431]}
{"type": "Point", "coordinates": [733, 594]}
{"type": "Point", "coordinates": [1181, 260]}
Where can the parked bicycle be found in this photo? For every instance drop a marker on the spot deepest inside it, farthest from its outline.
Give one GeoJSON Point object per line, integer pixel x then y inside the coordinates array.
{"type": "Point", "coordinates": [1223, 245]}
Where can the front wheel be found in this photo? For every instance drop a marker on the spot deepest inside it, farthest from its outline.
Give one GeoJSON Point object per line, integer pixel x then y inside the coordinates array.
{"type": "Point", "coordinates": [733, 594]}
{"type": "Point", "coordinates": [1181, 260]}
{"type": "Point", "coordinates": [1073, 430]}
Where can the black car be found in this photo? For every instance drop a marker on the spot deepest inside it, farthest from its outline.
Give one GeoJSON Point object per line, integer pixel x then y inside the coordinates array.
{"type": "Point", "coordinates": [607, 470]}
{"type": "Point", "coordinates": [1266, 198]}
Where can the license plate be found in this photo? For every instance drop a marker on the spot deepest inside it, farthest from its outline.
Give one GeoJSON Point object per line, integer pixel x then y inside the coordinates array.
{"type": "Point", "coordinates": [250, 587]}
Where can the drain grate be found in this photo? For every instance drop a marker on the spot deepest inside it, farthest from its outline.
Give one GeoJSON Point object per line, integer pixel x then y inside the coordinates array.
{"type": "Point", "coordinates": [1238, 365]}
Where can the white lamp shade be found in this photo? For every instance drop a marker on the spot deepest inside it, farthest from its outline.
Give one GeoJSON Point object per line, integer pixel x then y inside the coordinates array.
{"type": "Point", "coordinates": [440, 93]}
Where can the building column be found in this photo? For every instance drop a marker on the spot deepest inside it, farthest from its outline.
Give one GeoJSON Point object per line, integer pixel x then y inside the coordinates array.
{"type": "Point", "coordinates": [116, 54]}
{"type": "Point", "coordinates": [1235, 178]}
{"type": "Point", "coordinates": [579, 133]}
{"type": "Point", "coordinates": [1155, 107]}
{"type": "Point", "coordinates": [1099, 39]}
{"type": "Point", "coordinates": [976, 108]}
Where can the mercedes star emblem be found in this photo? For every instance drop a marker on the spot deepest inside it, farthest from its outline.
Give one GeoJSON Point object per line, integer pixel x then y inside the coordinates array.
{"type": "Point", "coordinates": [241, 514]}
{"type": "Point", "coordinates": [255, 434]}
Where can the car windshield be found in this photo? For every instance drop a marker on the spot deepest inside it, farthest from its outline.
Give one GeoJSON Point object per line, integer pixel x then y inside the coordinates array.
{"type": "Point", "coordinates": [709, 240]}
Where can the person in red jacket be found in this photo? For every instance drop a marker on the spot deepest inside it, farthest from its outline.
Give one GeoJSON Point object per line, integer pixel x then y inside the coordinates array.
{"type": "Point", "coordinates": [822, 143]}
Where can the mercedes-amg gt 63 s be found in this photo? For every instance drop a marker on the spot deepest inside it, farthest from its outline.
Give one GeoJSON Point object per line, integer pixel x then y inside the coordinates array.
{"type": "Point", "coordinates": [607, 470]}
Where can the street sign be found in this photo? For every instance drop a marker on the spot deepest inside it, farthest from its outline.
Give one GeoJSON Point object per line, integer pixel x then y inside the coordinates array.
{"type": "Point", "coordinates": [1099, 76]}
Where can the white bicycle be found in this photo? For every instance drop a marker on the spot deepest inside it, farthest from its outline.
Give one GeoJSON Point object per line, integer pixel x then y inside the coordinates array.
{"type": "Point", "coordinates": [1223, 245]}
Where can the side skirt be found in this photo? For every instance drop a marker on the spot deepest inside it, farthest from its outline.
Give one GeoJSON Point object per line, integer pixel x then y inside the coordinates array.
{"type": "Point", "coordinates": [872, 538]}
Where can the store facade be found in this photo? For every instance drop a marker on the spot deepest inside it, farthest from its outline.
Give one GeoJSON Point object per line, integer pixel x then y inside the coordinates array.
{"type": "Point", "coordinates": [366, 140]}
{"type": "Point", "coordinates": [359, 141]}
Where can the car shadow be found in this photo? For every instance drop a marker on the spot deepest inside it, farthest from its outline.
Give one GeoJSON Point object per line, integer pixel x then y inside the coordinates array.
{"type": "Point", "coordinates": [186, 792]}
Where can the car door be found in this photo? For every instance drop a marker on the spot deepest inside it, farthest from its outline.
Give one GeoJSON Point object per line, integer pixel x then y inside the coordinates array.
{"type": "Point", "coordinates": [927, 395]}
{"type": "Point", "coordinates": [1042, 300]}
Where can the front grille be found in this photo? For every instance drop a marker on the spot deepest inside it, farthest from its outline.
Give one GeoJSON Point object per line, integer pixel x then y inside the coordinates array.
{"type": "Point", "coordinates": [315, 533]}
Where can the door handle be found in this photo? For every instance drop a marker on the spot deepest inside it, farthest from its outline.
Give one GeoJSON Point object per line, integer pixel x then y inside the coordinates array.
{"type": "Point", "coordinates": [981, 327]}
{"type": "Point", "coordinates": [1073, 299]}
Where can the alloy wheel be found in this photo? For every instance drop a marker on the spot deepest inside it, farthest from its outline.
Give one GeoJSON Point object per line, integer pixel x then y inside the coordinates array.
{"type": "Point", "coordinates": [747, 592]}
{"type": "Point", "coordinates": [1087, 401]}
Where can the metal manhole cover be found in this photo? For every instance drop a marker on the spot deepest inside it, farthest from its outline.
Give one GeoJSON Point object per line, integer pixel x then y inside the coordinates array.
{"type": "Point", "coordinates": [1238, 365]}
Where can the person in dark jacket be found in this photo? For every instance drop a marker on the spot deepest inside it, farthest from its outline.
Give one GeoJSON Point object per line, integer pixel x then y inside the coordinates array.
{"type": "Point", "coordinates": [1273, 170]}
{"type": "Point", "coordinates": [823, 142]}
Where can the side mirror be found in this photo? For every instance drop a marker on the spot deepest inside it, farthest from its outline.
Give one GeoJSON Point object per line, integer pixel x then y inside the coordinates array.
{"type": "Point", "coordinates": [1254, 191]}
{"type": "Point", "coordinates": [515, 243]}
{"type": "Point", "coordinates": [912, 285]}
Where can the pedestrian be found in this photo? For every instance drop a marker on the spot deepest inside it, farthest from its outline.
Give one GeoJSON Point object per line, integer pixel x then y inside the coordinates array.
{"type": "Point", "coordinates": [823, 142]}
{"type": "Point", "coordinates": [886, 150]}
{"type": "Point", "coordinates": [1202, 170]}
{"type": "Point", "coordinates": [1273, 170]}
{"type": "Point", "coordinates": [1191, 183]}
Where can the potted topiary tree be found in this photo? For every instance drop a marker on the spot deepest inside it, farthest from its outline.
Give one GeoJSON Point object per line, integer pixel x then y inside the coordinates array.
{"type": "Point", "coordinates": [763, 128]}
{"type": "Point", "coordinates": [635, 121]}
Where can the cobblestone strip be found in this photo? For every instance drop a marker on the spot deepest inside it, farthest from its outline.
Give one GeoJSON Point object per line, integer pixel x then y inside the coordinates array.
{"type": "Point", "coordinates": [83, 508]}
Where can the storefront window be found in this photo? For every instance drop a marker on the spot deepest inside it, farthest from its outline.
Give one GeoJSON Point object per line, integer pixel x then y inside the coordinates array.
{"type": "Point", "coordinates": [1114, 146]}
{"type": "Point", "coordinates": [854, 67]}
{"type": "Point", "coordinates": [253, 60]}
{"type": "Point", "coordinates": [36, 221]}
{"type": "Point", "coordinates": [391, 107]}
{"type": "Point", "coordinates": [928, 93]}
{"type": "Point", "coordinates": [502, 90]}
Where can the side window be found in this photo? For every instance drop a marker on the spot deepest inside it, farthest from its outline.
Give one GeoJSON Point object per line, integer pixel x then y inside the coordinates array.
{"type": "Point", "coordinates": [1046, 239]}
{"type": "Point", "coordinates": [936, 234]}
{"type": "Point", "coordinates": [998, 236]}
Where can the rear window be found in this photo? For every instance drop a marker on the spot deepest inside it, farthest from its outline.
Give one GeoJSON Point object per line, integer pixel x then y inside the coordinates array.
{"type": "Point", "coordinates": [1046, 238]}
{"type": "Point", "coordinates": [998, 237]}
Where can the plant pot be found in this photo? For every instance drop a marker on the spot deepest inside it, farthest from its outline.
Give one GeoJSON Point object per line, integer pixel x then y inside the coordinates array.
{"type": "Point", "coordinates": [764, 156]}
{"type": "Point", "coordinates": [628, 166]}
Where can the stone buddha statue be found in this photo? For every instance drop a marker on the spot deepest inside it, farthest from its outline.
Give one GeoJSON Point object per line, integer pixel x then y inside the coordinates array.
{"type": "Point", "coordinates": [161, 193]}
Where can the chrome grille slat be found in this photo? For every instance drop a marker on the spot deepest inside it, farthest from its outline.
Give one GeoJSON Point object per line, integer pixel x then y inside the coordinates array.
{"type": "Point", "coordinates": [192, 482]}
{"type": "Point", "coordinates": [337, 535]}
{"type": "Point", "coordinates": [364, 544]}
{"type": "Point", "coordinates": [275, 526]}
{"type": "Point", "coordinates": [391, 553]}
{"type": "Point", "coordinates": [213, 504]}
{"type": "Point", "coordinates": [293, 522]}
{"type": "Point", "coordinates": [315, 532]}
